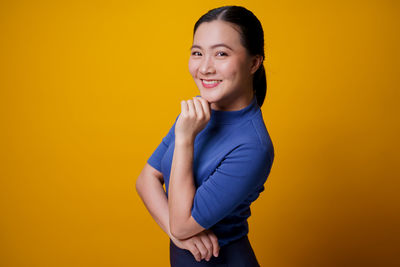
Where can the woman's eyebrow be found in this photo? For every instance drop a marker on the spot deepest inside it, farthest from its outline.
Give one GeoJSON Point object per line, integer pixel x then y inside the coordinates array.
{"type": "Point", "coordinates": [213, 46]}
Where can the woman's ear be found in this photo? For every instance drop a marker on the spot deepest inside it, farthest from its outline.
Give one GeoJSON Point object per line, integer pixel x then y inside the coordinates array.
{"type": "Point", "coordinates": [256, 63]}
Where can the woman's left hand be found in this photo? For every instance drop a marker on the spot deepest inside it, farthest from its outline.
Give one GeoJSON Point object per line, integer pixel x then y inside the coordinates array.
{"type": "Point", "coordinates": [194, 116]}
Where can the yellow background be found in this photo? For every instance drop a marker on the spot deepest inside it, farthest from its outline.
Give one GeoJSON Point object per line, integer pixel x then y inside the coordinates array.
{"type": "Point", "coordinates": [89, 88]}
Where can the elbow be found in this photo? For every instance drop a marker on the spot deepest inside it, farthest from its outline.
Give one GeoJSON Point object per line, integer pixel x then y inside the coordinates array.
{"type": "Point", "coordinates": [183, 229]}
{"type": "Point", "coordinates": [138, 185]}
{"type": "Point", "coordinates": [179, 231]}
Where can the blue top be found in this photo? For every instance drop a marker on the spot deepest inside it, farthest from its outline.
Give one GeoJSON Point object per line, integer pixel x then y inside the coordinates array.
{"type": "Point", "coordinates": [232, 159]}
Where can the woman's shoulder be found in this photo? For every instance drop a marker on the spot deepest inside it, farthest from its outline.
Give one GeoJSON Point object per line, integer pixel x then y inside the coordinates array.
{"type": "Point", "coordinates": [254, 133]}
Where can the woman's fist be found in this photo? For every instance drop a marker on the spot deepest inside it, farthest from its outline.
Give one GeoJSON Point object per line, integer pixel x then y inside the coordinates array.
{"type": "Point", "coordinates": [195, 114]}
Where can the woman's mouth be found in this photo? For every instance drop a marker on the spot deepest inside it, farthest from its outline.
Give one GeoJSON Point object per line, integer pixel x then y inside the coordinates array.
{"type": "Point", "coordinates": [210, 83]}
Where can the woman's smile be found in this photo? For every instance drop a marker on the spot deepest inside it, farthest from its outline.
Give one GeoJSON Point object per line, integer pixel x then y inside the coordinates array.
{"type": "Point", "coordinates": [210, 83]}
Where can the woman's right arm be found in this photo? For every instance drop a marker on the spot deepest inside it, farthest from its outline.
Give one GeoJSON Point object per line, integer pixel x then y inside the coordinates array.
{"type": "Point", "coordinates": [149, 187]}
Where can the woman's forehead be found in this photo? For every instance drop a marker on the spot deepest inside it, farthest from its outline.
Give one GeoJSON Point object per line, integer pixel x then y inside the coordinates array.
{"type": "Point", "coordinates": [208, 34]}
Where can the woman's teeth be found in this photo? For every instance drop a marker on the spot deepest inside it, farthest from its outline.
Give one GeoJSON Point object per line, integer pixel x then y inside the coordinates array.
{"type": "Point", "coordinates": [212, 82]}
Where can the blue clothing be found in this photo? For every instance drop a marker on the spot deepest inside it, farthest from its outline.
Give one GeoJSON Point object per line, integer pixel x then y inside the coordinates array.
{"type": "Point", "coordinates": [232, 159]}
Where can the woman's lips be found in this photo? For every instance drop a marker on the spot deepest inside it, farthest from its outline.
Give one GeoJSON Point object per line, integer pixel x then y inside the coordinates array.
{"type": "Point", "coordinates": [210, 83]}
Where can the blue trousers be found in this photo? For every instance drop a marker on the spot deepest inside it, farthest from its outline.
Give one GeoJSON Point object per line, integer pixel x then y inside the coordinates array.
{"type": "Point", "coordinates": [238, 253]}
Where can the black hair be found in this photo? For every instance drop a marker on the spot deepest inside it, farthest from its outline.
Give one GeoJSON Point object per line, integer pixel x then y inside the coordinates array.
{"type": "Point", "coordinates": [251, 36]}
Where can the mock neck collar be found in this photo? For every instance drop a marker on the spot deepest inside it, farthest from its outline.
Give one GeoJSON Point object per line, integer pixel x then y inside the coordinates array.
{"type": "Point", "coordinates": [232, 117]}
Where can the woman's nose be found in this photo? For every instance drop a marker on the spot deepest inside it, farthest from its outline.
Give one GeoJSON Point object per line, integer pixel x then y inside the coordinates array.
{"type": "Point", "coordinates": [207, 66]}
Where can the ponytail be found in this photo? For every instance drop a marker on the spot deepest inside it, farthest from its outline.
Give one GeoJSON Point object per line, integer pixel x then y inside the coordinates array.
{"type": "Point", "coordinates": [260, 85]}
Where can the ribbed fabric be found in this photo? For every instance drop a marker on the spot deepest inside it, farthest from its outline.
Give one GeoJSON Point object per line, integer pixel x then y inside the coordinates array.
{"type": "Point", "coordinates": [233, 156]}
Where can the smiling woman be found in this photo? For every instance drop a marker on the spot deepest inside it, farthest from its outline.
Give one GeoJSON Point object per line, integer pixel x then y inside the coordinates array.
{"type": "Point", "coordinates": [218, 154]}
{"type": "Point", "coordinates": [219, 61]}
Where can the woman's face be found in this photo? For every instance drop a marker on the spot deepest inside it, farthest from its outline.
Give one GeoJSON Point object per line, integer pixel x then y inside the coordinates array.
{"type": "Point", "coordinates": [221, 67]}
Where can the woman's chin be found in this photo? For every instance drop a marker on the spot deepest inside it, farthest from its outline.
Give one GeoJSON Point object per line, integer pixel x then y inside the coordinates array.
{"type": "Point", "coordinates": [210, 98]}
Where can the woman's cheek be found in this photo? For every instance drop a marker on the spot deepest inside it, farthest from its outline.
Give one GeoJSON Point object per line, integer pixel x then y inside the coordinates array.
{"type": "Point", "coordinates": [192, 68]}
{"type": "Point", "coordinates": [226, 68]}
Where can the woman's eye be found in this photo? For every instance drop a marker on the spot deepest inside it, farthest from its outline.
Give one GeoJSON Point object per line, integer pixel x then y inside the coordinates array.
{"type": "Point", "coordinates": [196, 53]}
{"type": "Point", "coordinates": [222, 54]}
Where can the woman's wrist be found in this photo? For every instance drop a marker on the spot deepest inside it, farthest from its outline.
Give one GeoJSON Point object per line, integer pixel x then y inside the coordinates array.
{"type": "Point", "coordinates": [184, 141]}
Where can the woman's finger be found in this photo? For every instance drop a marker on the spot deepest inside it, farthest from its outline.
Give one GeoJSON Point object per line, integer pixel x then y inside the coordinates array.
{"type": "Point", "coordinates": [203, 250]}
{"type": "Point", "coordinates": [215, 244]}
{"type": "Point", "coordinates": [195, 252]}
{"type": "Point", "coordinates": [184, 107]}
{"type": "Point", "coordinates": [191, 108]}
{"type": "Point", "coordinates": [208, 244]}
{"type": "Point", "coordinates": [199, 108]}
{"type": "Point", "coordinates": [206, 107]}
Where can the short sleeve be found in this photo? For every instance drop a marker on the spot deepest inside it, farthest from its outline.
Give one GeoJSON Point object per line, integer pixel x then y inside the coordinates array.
{"type": "Point", "coordinates": [156, 157]}
{"type": "Point", "coordinates": [239, 175]}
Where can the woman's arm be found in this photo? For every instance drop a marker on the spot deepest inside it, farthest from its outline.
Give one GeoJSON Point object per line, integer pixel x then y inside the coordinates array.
{"type": "Point", "coordinates": [181, 191]}
{"type": "Point", "coordinates": [149, 186]}
{"type": "Point", "coordinates": [150, 189]}
{"type": "Point", "coordinates": [195, 114]}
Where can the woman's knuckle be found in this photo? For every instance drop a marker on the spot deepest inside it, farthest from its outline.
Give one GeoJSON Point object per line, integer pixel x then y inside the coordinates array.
{"type": "Point", "coordinates": [213, 237]}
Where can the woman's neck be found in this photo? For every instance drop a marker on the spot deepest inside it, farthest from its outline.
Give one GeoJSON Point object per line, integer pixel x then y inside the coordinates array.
{"type": "Point", "coordinates": [236, 104]}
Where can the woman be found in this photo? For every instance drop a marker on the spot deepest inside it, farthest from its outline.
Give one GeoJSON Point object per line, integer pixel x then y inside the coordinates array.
{"type": "Point", "coordinates": [218, 154]}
